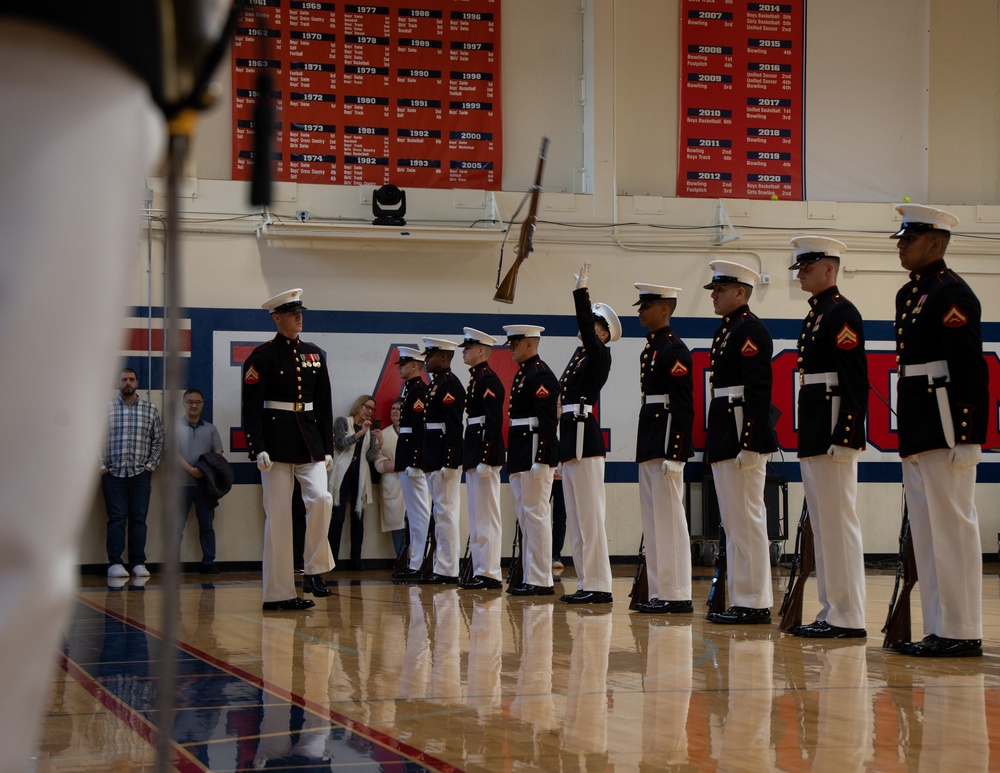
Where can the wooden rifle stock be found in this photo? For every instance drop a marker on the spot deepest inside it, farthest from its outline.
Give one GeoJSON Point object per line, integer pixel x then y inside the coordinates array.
{"type": "Point", "coordinates": [802, 566]}
{"type": "Point", "coordinates": [717, 595]}
{"type": "Point", "coordinates": [505, 290]}
{"type": "Point", "coordinates": [430, 547]}
{"type": "Point", "coordinates": [465, 565]}
{"type": "Point", "coordinates": [640, 584]}
{"type": "Point", "coordinates": [897, 623]}
{"type": "Point", "coordinates": [515, 575]}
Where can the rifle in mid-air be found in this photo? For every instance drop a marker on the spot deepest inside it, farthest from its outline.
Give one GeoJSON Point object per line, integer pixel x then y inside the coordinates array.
{"type": "Point", "coordinates": [505, 289]}
{"type": "Point", "coordinates": [802, 567]}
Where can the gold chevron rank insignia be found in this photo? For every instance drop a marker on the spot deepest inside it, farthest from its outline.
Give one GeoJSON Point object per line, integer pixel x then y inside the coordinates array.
{"type": "Point", "coordinates": [749, 348]}
{"type": "Point", "coordinates": [955, 317]}
{"type": "Point", "coordinates": [847, 338]}
{"type": "Point", "coordinates": [542, 392]}
{"type": "Point", "coordinates": [679, 369]}
{"type": "Point", "coordinates": [252, 376]}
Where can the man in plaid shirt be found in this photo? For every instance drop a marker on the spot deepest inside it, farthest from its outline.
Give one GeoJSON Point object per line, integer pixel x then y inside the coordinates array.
{"type": "Point", "coordinates": [132, 451]}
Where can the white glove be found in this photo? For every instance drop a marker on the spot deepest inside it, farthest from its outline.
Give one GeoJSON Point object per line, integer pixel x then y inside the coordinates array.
{"type": "Point", "coordinates": [583, 277]}
{"type": "Point", "coordinates": [538, 470]}
{"type": "Point", "coordinates": [449, 472]}
{"type": "Point", "coordinates": [483, 470]}
{"type": "Point", "coordinates": [414, 472]}
{"type": "Point", "coordinates": [965, 455]}
{"type": "Point", "coordinates": [328, 460]}
{"type": "Point", "coordinates": [263, 461]}
{"type": "Point", "coordinates": [747, 460]}
{"type": "Point", "coordinates": [673, 470]}
{"type": "Point", "coordinates": [843, 454]}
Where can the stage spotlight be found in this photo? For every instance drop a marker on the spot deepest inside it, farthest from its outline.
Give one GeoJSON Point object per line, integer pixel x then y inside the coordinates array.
{"type": "Point", "coordinates": [389, 206]}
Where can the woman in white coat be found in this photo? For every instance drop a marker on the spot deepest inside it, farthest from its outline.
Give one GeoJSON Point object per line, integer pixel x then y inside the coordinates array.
{"type": "Point", "coordinates": [350, 478]}
{"type": "Point", "coordinates": [393, 509]}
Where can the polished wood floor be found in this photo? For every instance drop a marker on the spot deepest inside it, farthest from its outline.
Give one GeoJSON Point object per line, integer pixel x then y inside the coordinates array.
{"type": "Point", "coordinates": [383, 677]}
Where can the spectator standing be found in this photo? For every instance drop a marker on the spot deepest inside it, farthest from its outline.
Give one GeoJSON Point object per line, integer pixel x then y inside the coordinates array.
{"type": "Point", "coordinates": [199, 437]}
{"type": "Point", "coordinates": [132, 450]}
{"type": "Point", "coordinates": [393, 510]}
{"type": "Point", "coordinates": [350, 478]}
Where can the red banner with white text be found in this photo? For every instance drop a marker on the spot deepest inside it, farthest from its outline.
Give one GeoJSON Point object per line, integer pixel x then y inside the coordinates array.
{"type": "Point", "coordinates": [371, 94]}
{"type": "Point", "coordinates": [742, 99]}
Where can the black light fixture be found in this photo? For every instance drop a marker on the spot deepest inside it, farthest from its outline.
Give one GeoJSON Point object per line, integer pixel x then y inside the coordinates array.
{"type": "Point", "coordinates": [389, 206]}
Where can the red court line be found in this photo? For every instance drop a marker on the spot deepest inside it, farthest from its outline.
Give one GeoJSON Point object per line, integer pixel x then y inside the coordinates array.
{"type": "Point", "coordinates": [383, 739]}
{"type": "Point", "coordinates": [131, 718]}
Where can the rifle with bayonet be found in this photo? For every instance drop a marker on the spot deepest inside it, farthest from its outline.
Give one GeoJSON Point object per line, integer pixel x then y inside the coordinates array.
{"type": "Point", "coordinates": [640, 583]}
{"type": "Point", "coordinates": [717, 595]}
{"type": "Point", "coordinates": [802, 566]}
{"type": "Point", "coordinates": [897, 623]}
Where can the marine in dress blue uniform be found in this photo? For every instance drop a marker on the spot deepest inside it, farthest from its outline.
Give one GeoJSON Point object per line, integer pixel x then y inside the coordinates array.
{"type": "Point", "coordinates": [288, 421]}
{"type": "Point", "coordinates": [484, 455]}
{"type": "Point", "coordinates": [740, 440]}
{"type": "Point", "coordinates": [581, 445]}
{"type": "Point", "coordinates": [443, 455]}
{"type": "Point", "coordinates": [663, 445]}
{"type": "Point", "coordinates": [532, 456]}
{"type": "Point", "coordinates": [409, 457]}
{"type": "Point", "coordinates": [833, 404]}
{"type": "Point", "coordinates": [943, 410]}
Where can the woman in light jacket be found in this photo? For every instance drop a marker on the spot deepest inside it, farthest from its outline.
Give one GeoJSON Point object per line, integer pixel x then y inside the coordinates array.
{"type": "Point", "coordinates": [393, 509]}
{"type": "Point", "coordinates": [350, 479]}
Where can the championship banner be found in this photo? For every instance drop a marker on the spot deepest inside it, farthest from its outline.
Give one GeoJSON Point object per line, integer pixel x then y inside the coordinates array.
{"type": "Point", "coordinates": [373, 94]}
{"type": "Point", "coordinates": [742, 96]}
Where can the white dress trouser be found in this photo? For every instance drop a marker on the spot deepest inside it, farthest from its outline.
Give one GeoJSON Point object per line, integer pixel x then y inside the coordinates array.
{"type": "Point", "coordinates": [744, 517]}
{"type": "Point", "coordinates": [79, 134]}
{"type": "Point", "coordinates": [485, 527]}
{"type": "Point", "coordinates": [417, 498]}
{"type": "Point", "coordinates": [583, 488]}
{"type": "Point", "coordinates": [831, 495]}
{"type": "Point", "coordinates": [277, 485]}
{"type": "Point", "coordinates": [534, 513]}
{"type": "Point", "coordinates": [941, 503]}
{"type": "Point", "coordinates": [445, 487]}
{"type": "Point", "coordinates": [667, 540]}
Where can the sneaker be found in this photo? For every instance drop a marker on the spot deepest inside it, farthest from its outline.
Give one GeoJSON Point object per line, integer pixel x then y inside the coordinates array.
{"type": "Point", "coordinates": [117, 583]}
{"type": "Point", "coordinates": [117, 570]}
{"type": "Point", "coordinates": [140, 570]}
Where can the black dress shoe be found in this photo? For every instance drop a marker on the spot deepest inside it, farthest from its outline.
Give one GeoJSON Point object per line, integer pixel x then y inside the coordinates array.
{"type": "Point", "coordinates": [313, 583]}
{"type": "Point", "coordinates": [938, 647]}
{"type": "Point", "coordinates": [210, 569]}
{"type": "Point", "coordinates": [407, 575]}
{"type": "Point", "coordinates": [531, 590]}
{"type": "Point", "coordinates": [588, 597]}
{"type": "Point", "coordinates": [288, 605]}
{"type": "Point", "coordinates": [741, 616]}
{"type": "Point", "coordinates": [438, 579]}
{"type": "Point", "coordinates": [567, 596]}
{"type": "Point", "coordinates": [661, 607]}
{"type": "Point", "coordinates": [481, 583]}
{"type": "Point", "coordinates": [821, 629]}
